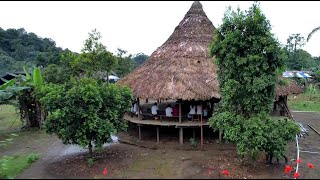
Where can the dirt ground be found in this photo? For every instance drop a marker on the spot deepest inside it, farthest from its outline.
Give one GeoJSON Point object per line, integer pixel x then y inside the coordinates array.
{"type": "Point", "coordinates": [133, 158]}
{"type": "Point", "coordinates": [310, 143]}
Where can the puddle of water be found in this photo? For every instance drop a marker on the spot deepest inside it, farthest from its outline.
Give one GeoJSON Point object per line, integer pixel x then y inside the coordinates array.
{"type": "Point", "coordinates": [114, 139]}
{"type": "Point", "coordinates": [74, 149]}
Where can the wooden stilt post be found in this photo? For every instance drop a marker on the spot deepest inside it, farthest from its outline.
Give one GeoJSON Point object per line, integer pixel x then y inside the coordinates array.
{"type": "Point", "coordinates": [158, 136]}
{"type": "Point", "coordinates": [201, 131]}
{"type": "Point", "coordinates": [180, 118]}
{"type": "Point", "coordinates": [138, 108]}
{"type": "Point", "coordinates": [181, 135]}
{"type": "Point", "coordinates": [194, 133]}
{"type": "Point", "coordinates": [139, 132]}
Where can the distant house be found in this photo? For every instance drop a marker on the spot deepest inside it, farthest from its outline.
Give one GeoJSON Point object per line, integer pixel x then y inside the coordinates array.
{"type": "Point", "coordinates": [299, 74]}
{"type": "Point", "coordinates": [113, 79]}
{"type": "Point", "coordinates": [8, 76]}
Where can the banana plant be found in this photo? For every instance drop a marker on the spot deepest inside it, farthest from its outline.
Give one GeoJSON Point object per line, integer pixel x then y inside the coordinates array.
{"type": "Point", "coordinates": [33, 80]}
{"type": "Point", "coordinates": [8, 90]}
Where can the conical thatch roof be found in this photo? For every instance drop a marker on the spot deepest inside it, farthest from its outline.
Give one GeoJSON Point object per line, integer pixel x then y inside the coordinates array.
{"type": "Point", "coordinates": [181, 68]}
{"type": "Point", "coordinates": [290, 88]}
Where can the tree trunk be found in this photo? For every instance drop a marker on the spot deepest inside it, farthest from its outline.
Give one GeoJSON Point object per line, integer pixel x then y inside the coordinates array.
{"type": "Point", "coordinates": [90, 149]}
{"type": "Point", "coordinates": [38, 114]}
{"type": "Point", "coordinates": [107, 78]}
{"type": "Point", "coordinates": [30, 110]}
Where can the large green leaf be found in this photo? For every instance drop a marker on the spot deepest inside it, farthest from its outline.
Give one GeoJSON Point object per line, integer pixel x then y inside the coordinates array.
{"type": "Point", "coordinates": [7, 84]}
{"type": "Point", "coordinates": [17, 89]}
{"type": "Point", "coordinates": [5, 96]}
{"type": "Point", "coordinates": [37, 77]}
{"type": "Point", "coordinates": [27, 73]}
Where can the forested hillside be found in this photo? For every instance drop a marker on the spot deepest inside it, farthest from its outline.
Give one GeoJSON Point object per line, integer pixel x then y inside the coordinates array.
{"type": "Point", "coordinates": [18, 48]}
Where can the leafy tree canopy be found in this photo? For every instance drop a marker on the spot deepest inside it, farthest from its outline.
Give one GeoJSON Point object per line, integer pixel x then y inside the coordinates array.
{"type": "Point", "coordinates": [248, 58]}
{"type": "Point", "coordinates": [83, 111]}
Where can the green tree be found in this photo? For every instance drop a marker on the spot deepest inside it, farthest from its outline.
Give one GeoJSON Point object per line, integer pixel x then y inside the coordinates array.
{"type": "Point", "coordinates": [6, 64]}
{"type": "Point", "coordinates": [57, 74]}
{"type": "Point", "coordinates": [298, 59]}
{"type": "Point", "coordinates": [125, 63]}
{"type": "Point", "coordinates": [305, 60]}
{"type": "Point", "coordinates": [247, 56]}
{"type": "Point", "coordinates": [21, 48]}
{"type": "Point", "coordinates": [295, 42]}
{"type": "Point", "coordinates": [95, 56]}
{"type": "Point", "coordinates": [83, 112]}
{"type": "Point", "coordinates": [139, 59]}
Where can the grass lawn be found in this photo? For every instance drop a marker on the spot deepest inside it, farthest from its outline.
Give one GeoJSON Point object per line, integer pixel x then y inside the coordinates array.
{"type": "Point", "coordinates": [18, 163]}
{"type": "Point", "coordinates": [304, 102]}
{"type": "Point", "coordinates": [18, 158]}
{"type": "Point", "coordinates": [9, 118]}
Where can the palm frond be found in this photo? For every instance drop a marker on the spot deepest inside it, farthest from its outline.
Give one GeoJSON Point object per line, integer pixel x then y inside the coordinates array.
{"type": "Point", "coordinates": [313, 31]}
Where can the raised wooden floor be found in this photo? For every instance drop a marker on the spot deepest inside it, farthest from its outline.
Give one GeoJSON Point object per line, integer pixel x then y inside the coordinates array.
{"type": "Point", "coordinates": [194, 123]}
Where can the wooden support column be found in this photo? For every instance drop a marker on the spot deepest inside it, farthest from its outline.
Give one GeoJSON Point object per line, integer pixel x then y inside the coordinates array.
{"type": "Point", "coordinates": [181, 135]}
{"type": "Point", "coordinates": [139, 132]}
{"type": "Point", "coordinates": [201, 126]}
{"type": "Point", "coordinates": [286, 100]}
{"type": "Point", "coordinates": [158, 135]}
{"type": "Point", "coordinates": [220, 136]}
{"type": "Point", "coordinates": [194, 133]}
{"type": "Point", "coordinates": [180, 113]}
{"type": "Point", "coordinates": [138, 108]}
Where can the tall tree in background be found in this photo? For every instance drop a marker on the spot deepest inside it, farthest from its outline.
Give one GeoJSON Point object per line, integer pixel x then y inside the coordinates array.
{"type": "Point", "coordinates": [139, 59]}
{"type": "Point", "coordinates": [298, 59]}
{"type": "Point", "coordinates": [125, 63]}
{"type": "Point", "coordinates": [247, 56]}
{"type": "Point", "coordinates": [95, 57]}
{"type": "Point", "coordinates": [295, 42]}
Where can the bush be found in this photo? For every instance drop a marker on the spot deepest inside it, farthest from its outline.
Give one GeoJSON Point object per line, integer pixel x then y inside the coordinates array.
{"type": "Point", "coordinates": [3, 166]}
{"type": "Point", "coordinates": [278, 133]}
{"type": "Point", "coordinates": [312, 89]}
{"type": "Point", "coordinates": [90, 162]}
{"type": "Point", "coordinates": [32, 158]}
{"type": "Point", "coordinates": [193, 142]}
{"type": "Point", "coordinates": [258, 133]}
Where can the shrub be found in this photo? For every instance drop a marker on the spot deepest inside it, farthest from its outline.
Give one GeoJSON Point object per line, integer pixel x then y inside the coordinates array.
{"type": "Point", "coordinates": [90, 162]}
{"type": "Point", "coordinates": [193, 142]}
{"type": "Point", "coordinates": [32, 158]}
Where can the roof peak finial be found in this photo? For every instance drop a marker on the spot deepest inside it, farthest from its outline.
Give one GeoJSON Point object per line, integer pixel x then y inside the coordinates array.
{"type": "Point", "coordinates": [196, 8]}
{"type": "Point", "coordinates": [196, 4]}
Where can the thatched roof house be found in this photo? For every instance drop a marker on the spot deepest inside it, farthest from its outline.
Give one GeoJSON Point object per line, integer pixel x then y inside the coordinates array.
{"type": "Point", "coordinates": [181, 68]}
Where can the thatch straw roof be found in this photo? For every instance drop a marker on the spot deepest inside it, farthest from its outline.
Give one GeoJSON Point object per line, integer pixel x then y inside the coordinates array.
{"type": "Point", "coordinates": [181, 68]}
{"type": "Point", "coordinates": [290, 88]}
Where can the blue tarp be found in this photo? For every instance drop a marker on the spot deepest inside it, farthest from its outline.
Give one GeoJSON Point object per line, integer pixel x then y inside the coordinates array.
{"type": "Point", "coordinates": [299, 74]}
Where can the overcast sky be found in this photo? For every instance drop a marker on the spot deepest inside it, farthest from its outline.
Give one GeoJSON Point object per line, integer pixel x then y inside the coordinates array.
{"type": "Point", "coordinates": [143, 26]}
